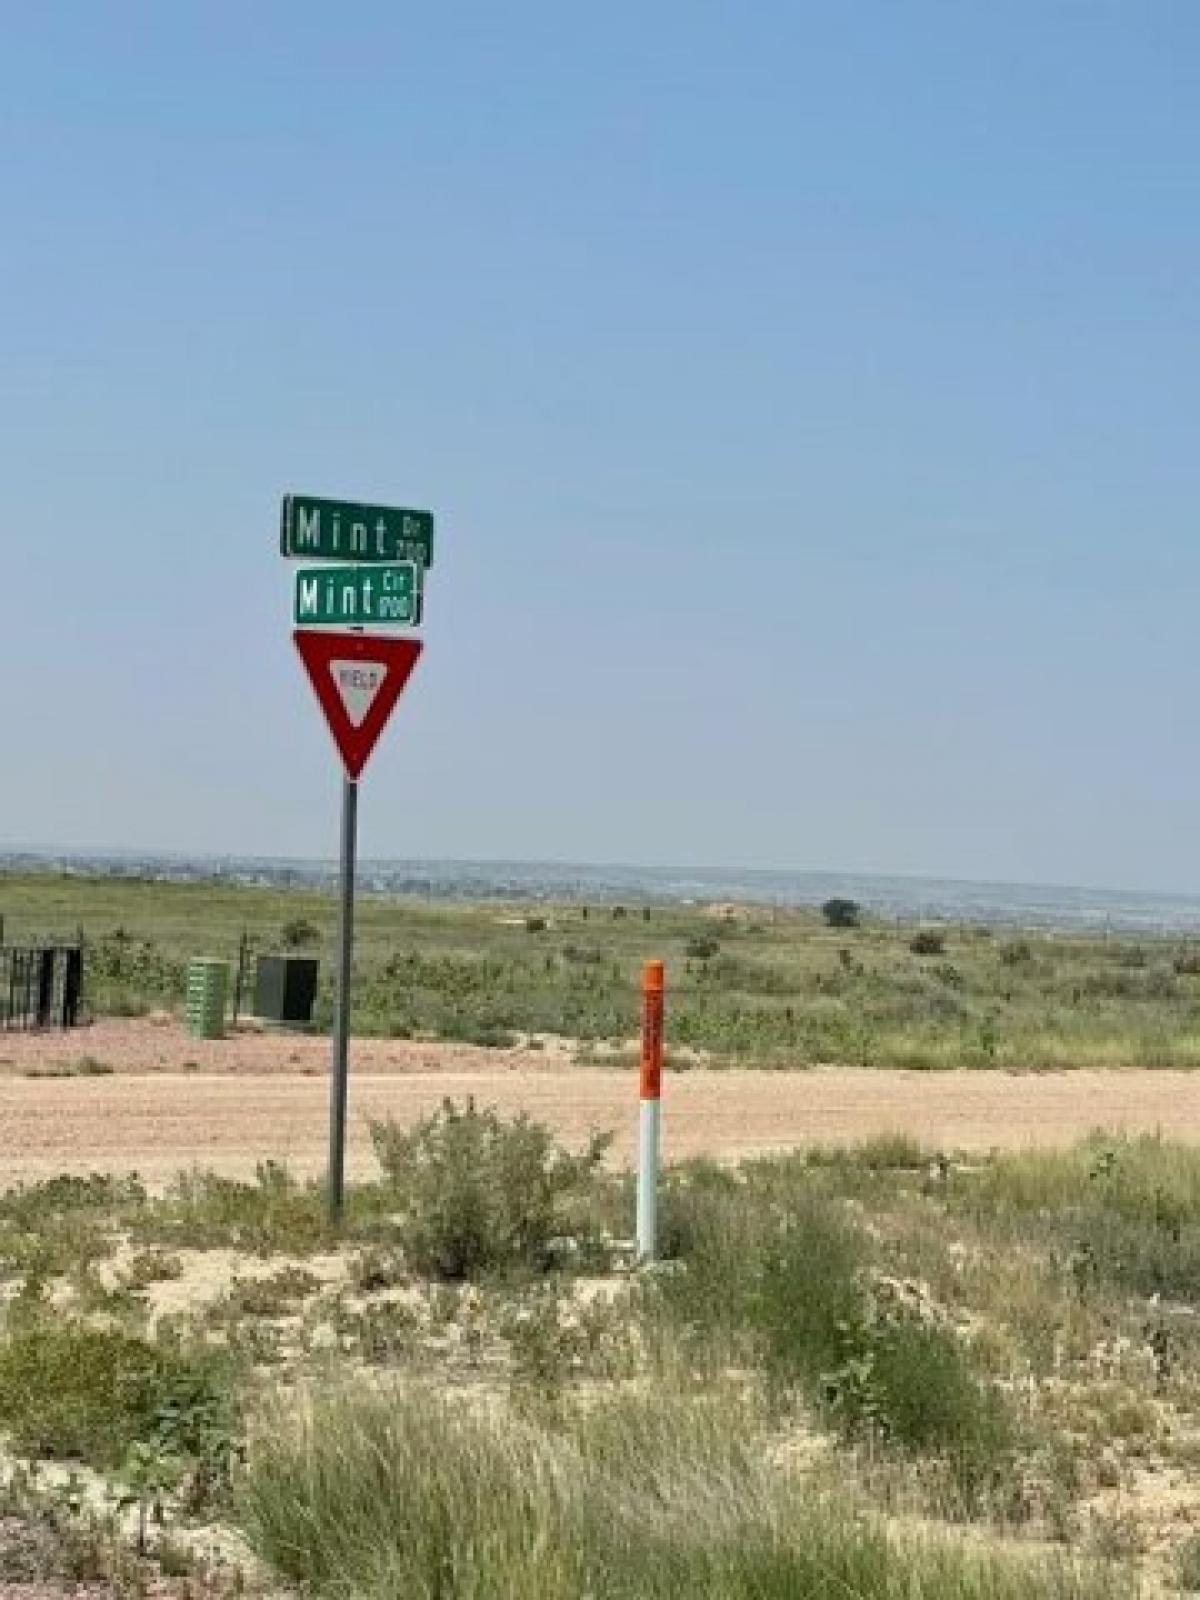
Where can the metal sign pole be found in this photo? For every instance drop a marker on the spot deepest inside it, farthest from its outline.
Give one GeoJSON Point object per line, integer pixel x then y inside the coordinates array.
{"type": "Point", "coordinates": [341, 1018]}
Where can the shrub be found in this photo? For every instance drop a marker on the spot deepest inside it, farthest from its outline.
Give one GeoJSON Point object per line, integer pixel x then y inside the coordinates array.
{"type": "Point", "coordinates": [205, 1211]}
{"type": "Point", "coordinates": [928, 942]}
{"type": "Point", "coordinates": [883, 1152]}
{"type": "Point", "coordinates": [1187, 1565]}
{"type": "Point", "coordinates": [584, 955]}
{"type": "Point", "coordinates": [922, 1394]}
{"type": "Point", "coordinates": [535, 924]}
{"type": "Point", "coordinates": [297, 932]}
{"type": "Point", "coordinates": [1016, 953]}
{"type": "Point", "coordinates": [37, 1205]}
{"type": "Point", "coordinates": [466, 1029]}
{"type": "Point", "coordinates": [478, 1194]}
{"type": "Point", "coordinates": [69, 1388]}
{"type": "Point", "coordinates": [778, 1274]}
{"type": "Point", "coordinates": [841, 913]}
{"type": "Point", "coordinates": [702, 948]}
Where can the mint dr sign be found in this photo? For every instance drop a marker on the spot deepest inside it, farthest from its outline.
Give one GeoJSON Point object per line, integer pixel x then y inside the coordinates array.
{"type": "Point", "coordinates": [348, 530]}
{"type": "Point", "coordinates": [348, 596]}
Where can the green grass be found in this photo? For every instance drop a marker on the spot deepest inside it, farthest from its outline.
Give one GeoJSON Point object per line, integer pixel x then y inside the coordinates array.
{"type": "Point", "coordinates": [274, 1214]}
{"type": "Point", "coordinates": [73, 1389]}
{"type": "Point", "coordinates": [778, 1275]}
{"type": "Point", "coordinates": [61, 1225]}
{"type": "Point", "coordinates": [777, 988]}
{"type": "Point", "coordinates": [387, 1491]}
{"type": "Point", "coordinates": [1125, 1212]}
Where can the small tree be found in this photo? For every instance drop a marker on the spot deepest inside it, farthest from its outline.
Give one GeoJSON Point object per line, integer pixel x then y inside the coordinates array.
{"type": "Point", "coordinates": [299, 931]}
{"type": "Point", "coordinates": [927, 942]}
{"type": "Point", "coordinates": [840, 913]}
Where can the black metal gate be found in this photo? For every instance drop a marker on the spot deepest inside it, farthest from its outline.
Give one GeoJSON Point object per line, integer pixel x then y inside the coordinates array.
{"type": "Point", "coordinates": [41, 986]}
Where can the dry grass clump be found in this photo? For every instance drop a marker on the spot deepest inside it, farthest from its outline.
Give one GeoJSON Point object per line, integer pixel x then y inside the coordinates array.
{"type": "Point", "coordinates": [386, 1490]}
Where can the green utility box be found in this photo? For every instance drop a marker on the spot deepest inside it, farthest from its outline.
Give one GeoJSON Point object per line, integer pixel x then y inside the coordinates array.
{"type": "Point", "coordinates": [207, 993]}
{"type": "Point", "coordinates": [285, 989]}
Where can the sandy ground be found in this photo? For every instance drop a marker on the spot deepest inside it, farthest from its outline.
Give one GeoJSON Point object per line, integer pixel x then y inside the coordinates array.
{"type": "Point", "coordinates": [159, 1044]}
{"type": "Point", "coordinates": [173, 1101]}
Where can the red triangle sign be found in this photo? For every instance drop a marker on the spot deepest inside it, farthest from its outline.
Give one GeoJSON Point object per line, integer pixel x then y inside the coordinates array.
{"type": "Point", "coordinates": [358, 677]}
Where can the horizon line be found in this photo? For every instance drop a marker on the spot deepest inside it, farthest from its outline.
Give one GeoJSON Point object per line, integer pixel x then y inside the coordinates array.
{"type": "Point", "coordinates": [48, 852]}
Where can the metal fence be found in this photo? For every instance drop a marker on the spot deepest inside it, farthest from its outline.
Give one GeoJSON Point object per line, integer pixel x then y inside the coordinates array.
{"type": "Point", "coordinates": [41, 986]}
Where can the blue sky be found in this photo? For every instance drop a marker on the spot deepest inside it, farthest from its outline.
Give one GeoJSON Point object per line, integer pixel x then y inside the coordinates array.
{"type": "Point", "coordinates": [807, 395]}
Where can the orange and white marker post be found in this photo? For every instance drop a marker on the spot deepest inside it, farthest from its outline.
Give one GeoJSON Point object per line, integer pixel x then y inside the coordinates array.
{"type": "Point", "coordinates": [649, 1128]}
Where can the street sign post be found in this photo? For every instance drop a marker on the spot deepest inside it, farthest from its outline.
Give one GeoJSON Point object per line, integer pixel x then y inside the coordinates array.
{"type": "Point", "coordinates": [349, 530]}
{"type": "Point", "coordinates": [357, 678]}
{"type": "Point", "coordinates": [386, 594]}
{"type": "Point", "coordinates": [381, 555]}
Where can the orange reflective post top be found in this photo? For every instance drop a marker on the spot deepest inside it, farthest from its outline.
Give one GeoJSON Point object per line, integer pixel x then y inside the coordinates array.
{"type": "Point", "coordinates": [653, 985]}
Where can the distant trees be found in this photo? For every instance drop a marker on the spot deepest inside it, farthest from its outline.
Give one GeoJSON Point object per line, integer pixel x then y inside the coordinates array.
{"type": "Point", "coordinates": [840, 913]}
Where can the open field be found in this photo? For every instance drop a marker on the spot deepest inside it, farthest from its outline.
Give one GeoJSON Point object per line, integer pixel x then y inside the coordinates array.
{"type": "Point", "coordinates": [143, 1096]}
{"type": "Point", "coordinates": [957, 1361]}
{"type": "Point", "coordinates": [748, 985]}
{"type": "Point", "coordinates": [859, 1371]}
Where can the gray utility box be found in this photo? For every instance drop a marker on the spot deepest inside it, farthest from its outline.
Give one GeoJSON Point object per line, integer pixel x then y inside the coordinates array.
{"type": "Point", "coordinates": [285, 989]}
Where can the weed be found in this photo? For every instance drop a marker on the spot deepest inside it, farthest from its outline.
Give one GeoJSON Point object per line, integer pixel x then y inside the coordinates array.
{"type": "Point", "coordinates": [69, 1388]}
{"type": "Point", "coordinates": [1187, 1565]}
{"type": "Point", "coordinates": [273, 1296]}
{"type": "Point", "coordinates": [274, 1214]}
{"type": "Point", "coordinates": [381, 1333]}
{"type": "Point", "coordinates": [885, 1152]}
{"type": "Point", "coordinates": [81, 1067]}
{"type": "Point", "coordinates": [152, 1266]}
{"type": "Point", "coordinates": [481, 1195]}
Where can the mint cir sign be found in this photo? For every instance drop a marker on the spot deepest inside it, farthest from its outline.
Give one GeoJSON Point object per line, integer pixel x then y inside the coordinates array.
{"type": "Point", "coordinates": [350, 596]}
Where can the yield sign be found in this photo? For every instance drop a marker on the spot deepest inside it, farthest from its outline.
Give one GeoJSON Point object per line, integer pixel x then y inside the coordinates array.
{"type": "Point", "coordinates": [358, 678]}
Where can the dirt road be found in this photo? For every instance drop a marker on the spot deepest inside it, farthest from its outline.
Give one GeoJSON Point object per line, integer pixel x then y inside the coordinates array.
{"type": "Point", "coordinates": [158, 1117]}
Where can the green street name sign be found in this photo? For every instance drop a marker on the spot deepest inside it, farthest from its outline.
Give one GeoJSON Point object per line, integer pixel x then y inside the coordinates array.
{"type": "Point", "coordinates": [345, 530]}
{"type": "Point", "coordinates": [349, 596]}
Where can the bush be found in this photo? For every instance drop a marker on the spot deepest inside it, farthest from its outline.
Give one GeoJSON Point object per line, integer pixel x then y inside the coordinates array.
{"type": "Point", "coordinates": [883, 1152]}
{"type": "Point", "coordinates": [777, 1274]}
{"type": "Point", "coordinates": [702, 948]}
{"type": "Point", "coordinates": [535, 924]}
{"type": "Point", "coordinates": [298, 932]}
{"type": "Point", "coordinates": [840, 913]}
{"type": "Point", "coordinates": [1016, 953]}
{"type": "Point", "coordinates": [480, 1195]}
{"type": "Point", "coordinates": [71, 1389]}
{"type": "Point", "coordinates": [584, 955]}
{"type": "Point", "coordinates": [205, 1211]}
{"type": "Point", "coordinates": [928, 942]}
